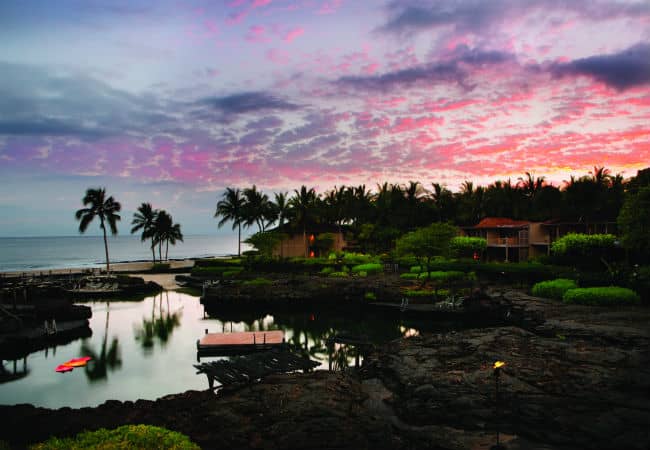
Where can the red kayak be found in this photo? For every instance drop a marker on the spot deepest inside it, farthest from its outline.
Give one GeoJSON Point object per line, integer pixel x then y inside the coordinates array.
{"type": "Point", "coordinates": [77, 362]}
{"type": "Point", "coordinates": [63, 368]}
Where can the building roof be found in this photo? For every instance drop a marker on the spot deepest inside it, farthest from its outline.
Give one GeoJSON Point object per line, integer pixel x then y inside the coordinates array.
{"type": "Point", "coordinates": [501, 222]}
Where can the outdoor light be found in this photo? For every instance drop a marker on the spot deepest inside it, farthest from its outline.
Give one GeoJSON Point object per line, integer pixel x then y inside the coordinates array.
{"type": "Point", "coordinates": [497, 371]}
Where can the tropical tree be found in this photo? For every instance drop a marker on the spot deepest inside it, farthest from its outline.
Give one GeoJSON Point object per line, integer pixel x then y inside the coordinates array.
{"type": "Point", "coordinates": [166, 231]}
{"type": "Point", "coordinates": [257, 209]}
{"type": "Point", "coordinates": [144, 219]}
{"type": "Point", "coordinates": [303, 204]}
{"type": "Point", "coordinates": [231, 209]}
{"type": "Point", "coordinates": [426, 243]}
{"type": "Point", "coordinates": [106, 209]}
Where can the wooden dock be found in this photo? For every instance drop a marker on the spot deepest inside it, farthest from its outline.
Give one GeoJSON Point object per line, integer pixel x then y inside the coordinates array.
{"type": "Point", "coordinates": [250, 368]}
{"type": "Point", "coordinates": [220, 344]}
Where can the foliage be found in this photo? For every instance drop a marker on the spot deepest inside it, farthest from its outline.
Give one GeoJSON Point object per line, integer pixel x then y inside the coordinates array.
{"type": "Point", "coordinates": [370, 296]}
{"type": "Point", "coordinates": [218, 262]}
{"type": "Point", "coordinates": [258, 282]}
{"type": "Point", "coordinates": [639, 280]}
{"type": "Point", "coordinates": [160, 268]}
{"type": "Point", "coordinates": [415, 269]}
{"type": "Point", "coordinates": [232, 272]}
{"type": "Point", "coordinates": [410, 276]}
{"type": "Point", "coordinates": [465, 246]}
{"type": "Point", "coordinates": [105, 209]}
{"type": "Point", "coordinates": [231, 209]}
{"type": "Point", "coordinates": [215, 270]}
{"type": "Point", "coordinates": [420, 293]}
{"type": "Point", "coordinates": [444, 276]}
{"type": "Point", "coordinates": [124, 437]}
{"type": "Point", "coordinates": [369, 268]}
{"type": "Point", "coordinates": [634, 222]}
{"type": "Point", "coordinates": [265, 241]}
{"type": "Point", "coordinates": [355, 259]}
{"type": "Point", "coordinates": [426, 243]}
{"type": "Point", "coordinates": [610, 295]}
{"type": "Point", "coordinates": [341, 274]}
{"type": "Point", "coordinates": [584, 250]}
{"type": "Point", "coordinates": [554, 289]}
{"type": "Point", "coordinates": [326, 270]}
{"type": "Point", "coordinates": [324, 242]}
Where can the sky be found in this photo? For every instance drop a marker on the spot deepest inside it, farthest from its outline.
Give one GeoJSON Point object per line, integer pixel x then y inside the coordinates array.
{"type": "Point", "coordinates": [169, 102]}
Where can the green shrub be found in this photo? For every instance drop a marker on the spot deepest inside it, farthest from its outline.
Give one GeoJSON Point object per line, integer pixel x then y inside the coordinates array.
{"type": "Point", "coordinates": [369, 268]}
{"type": "Point", "coordinates": [410, 276]}
{"type": "Point", "coordinates": [339, 274]}
{"type": "Point", "coordinates": [160, 267]}
{"type": "Point", "coordinates": [420, 293]}
{"type": "Point", "coordinates": [258, 282]}
{"type": "Point", "coordinates": [354, 259]}
{"type": "Point", "coordinates": [326, 270]}
{"type": "Point", "coordinates": [124, 437]}
{"type": "Point", "coordinates": [554, 289]}
{"type": "Point", "coordinates": [415, 269]}
{"type": "Point", "coordinates": [639, 281]}
{"type": "Point", "coordinates": [577, 244]}
{"type": "Point", "coordinates": [217, 262]}
{"type": "Point", "coordinates": [216, 271]}
{"type": "Point", "coordinates": [232, 273]}
{"type": "Point", "coordinates": [444, 276]}
{"type": "Point", "coordinates": [610, 295]}
{"type": "Point", "coordinates": [465, 246]}
{"type": "Point", "coordinates": [370, 296]}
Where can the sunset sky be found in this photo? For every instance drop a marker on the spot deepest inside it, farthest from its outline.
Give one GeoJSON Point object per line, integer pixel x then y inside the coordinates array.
{"type": "Point", "coordinates": [171, 101]}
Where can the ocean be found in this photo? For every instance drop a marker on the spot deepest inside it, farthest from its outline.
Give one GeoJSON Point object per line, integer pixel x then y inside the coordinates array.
{"type": "Point", "coordinates": [62, 252]}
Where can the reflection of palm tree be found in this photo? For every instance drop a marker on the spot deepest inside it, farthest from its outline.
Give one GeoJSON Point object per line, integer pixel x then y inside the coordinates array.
{"type": "Point", "coordinates": [160, 327]}
{"type": "Point", "coordinates": [108, 358]}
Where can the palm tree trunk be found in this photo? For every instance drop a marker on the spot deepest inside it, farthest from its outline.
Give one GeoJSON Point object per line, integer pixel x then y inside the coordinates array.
{"type": "Point", "coordinates": [108, 266]}
{"type": "Point", "coordinates": [167, 250]}
{"type": "Point", "coordinates": [160, 251]}
{"type": "Point", "coordinates": [153, 251]}
{"type": "Point", "coordinates": [239, 240]}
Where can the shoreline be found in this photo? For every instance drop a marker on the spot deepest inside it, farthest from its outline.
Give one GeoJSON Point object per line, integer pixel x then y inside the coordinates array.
{"type": "Point", "coordinates": [126, 266]}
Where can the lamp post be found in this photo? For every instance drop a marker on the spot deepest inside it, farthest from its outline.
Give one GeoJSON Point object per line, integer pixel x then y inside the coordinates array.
{"type": "Point", "coordinates": [497, 372]}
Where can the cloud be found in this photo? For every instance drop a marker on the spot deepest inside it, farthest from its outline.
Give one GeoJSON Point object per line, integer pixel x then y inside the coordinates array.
{"type": "Point", "coordinates": [409, 17]}
{"type": "Point", "coordinates": [453, 69]}
{"type": "Point", "coordinates": [247, 102]}
{"type": "Point", "coordinates": [293, 34]}
{"type": "Point", "coordinates": [45, 101]}
{"type": "Point", "coordinates": [628, 68]}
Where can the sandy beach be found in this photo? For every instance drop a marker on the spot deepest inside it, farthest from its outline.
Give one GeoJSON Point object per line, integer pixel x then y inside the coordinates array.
{"type": "Point", "coordinates": [130, 267]}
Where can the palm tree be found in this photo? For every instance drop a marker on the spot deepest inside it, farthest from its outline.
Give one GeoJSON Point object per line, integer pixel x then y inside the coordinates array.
{"type": "Point", "coordinates": [302, 204]}
{"type": "Point", "coordinates": [102, 207]}
{"type": "Point", "coordinates": [144, 219]}
{"type": "Point", "coordinates": [281, 207]}
{"type": "Point", "coordinates": [165, 230]}
{"type": "Point", "coordinates": [231, 208]}
{"type": "Point", "coordinates": [257, 209]}
{"type": "Point", "coordinates": [174, 235]}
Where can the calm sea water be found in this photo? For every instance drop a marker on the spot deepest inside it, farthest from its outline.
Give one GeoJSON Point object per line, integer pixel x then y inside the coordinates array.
{"type": "Point", "coordinates": [147, 349]}
{"type": "Point", "coordinates": [42, 253]}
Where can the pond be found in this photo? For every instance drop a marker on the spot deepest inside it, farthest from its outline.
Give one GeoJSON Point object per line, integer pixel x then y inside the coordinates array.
{"type": "Point", "coordinates": [146, 349]}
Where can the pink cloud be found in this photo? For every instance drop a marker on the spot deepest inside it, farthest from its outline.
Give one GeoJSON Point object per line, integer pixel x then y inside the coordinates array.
{"type": "Point", "coordinates": [403, 124]}
{"type": "Point", "coordinates": [329, 6]}
{"type": "Point", "coordinates": [278, 56]}
{"type": "Point", "coordinates": [257, 34]}
{"type": "Point", "coordinates": [293, 34]}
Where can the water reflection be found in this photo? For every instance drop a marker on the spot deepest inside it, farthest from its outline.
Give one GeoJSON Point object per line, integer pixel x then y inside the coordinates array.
{"type": "Point", "coordinates": [8, 374]}
{"type": "Point", "coordinates": [107, 358]}
{"type": "Point", "coordinates": [160, 327]}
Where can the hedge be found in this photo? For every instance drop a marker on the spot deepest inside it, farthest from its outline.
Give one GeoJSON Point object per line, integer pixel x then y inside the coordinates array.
{"type": "Point", "coordinates": [125, 437]}
{"type": "Point", "coordinates": [554, 289]}
{"type": "Point", "coordinates": [215, 270]}
{"type": "Point", "coordinates": [467, 246]}
{"type": "Point", "coordinates": [258, 282]}
{"type": "Point", "coordinates": [369, 268]}
{"type": "Point", "coordinates": [610, 295]}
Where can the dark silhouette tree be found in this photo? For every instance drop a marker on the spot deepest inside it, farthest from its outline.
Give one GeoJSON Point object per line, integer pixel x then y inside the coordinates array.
{"type": "Point", "coordinates": [303, 205]}
{"type": "Point", "coordinates": [231, 209]}
{"type": "Point", "coordinates": [144, 219]}
{"type": "Point", "coordinates": [105, 209]}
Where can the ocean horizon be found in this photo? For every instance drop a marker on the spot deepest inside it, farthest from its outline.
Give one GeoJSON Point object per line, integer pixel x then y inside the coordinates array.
{"type": "Point", "coordinates": [63, 252]}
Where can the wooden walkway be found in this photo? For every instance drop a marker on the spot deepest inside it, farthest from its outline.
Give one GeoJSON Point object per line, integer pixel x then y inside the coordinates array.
{"type": "Point", "coordinates": [249, 368]}
{"type": "Point", "coordinates": [216, 344]}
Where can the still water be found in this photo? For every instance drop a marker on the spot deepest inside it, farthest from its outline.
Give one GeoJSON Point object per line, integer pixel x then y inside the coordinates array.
{"type": "Point", "coordinates": [146, 349]}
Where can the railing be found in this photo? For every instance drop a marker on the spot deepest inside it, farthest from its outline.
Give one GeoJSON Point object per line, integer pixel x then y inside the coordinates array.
{"type": "Point", "coordinates": [508, 241]}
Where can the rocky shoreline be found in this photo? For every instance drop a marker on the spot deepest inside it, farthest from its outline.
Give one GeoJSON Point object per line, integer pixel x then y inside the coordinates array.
{"type": "Point", "coordinates": [575, 377]}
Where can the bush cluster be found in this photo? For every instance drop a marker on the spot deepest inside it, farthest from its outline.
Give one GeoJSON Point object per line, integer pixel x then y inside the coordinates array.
{"type": "Point", "coordinates": [554, 289]}
{"type": "Point", "coordinates": [125, 437]}
{"type": "Point", "coordinates": [369, 268]}
{"type": "Point", "coordinates": [466, 246]}
{"type": "Point", "coordinates": [610, 295]}
{"type": "Point", "coordinates": [258, 282]}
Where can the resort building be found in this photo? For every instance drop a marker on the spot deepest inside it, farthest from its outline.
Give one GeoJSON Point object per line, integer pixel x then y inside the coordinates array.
{"type": "Point", "coordinates": [512, 240]}
{"type": "Point", "coordinates": [294, 244]}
